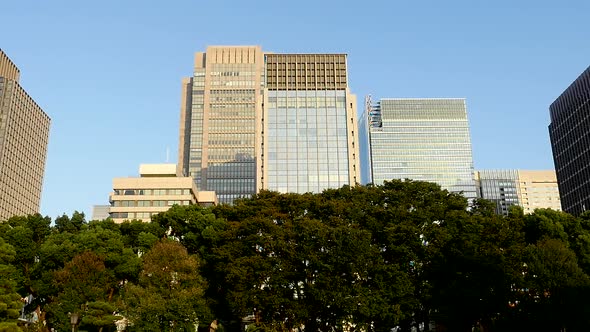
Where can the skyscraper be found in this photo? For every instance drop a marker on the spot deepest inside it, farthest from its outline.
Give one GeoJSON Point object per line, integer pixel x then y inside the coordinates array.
{"type": "Point", "coordinates": [310, 138]}
{"type": "Point", "coordinates": [570, 138]}
{"type": "Point", "coordinates": [421, 139]}
{"type": "Point", "coordinates": [252, 121]}
{"type": "Point", "coordinates": [24, 134]}
{"type": "Point", "coordinates": [221, 121]}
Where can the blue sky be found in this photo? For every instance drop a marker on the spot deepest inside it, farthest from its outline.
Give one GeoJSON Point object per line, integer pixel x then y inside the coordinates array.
{"type": "Point", "coordinates": [108, 72]}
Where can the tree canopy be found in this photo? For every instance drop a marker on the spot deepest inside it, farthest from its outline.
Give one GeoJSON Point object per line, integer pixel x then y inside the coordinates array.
{"type": "Point", "coordinates": [403, 256]}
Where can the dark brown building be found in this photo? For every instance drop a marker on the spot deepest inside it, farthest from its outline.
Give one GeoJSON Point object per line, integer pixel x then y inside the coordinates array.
{"type": "Point", "coordinates": [570, 140]}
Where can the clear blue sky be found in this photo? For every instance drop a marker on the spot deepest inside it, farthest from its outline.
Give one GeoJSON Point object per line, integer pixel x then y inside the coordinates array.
{"type": "Point", "coordinates": [108, 72]}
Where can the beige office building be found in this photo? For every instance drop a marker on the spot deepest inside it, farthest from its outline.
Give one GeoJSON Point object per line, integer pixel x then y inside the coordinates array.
{"type": "Point", "coordinates": [529, 189]}
{"type": "Point", "coordinates": [155, 190]}
{"type": "Point", "coordinates": [538, 190]}
{"type": "Point", "coordinates": [24, 134]}
{"type": "Point", "coordinates": [252, 120]}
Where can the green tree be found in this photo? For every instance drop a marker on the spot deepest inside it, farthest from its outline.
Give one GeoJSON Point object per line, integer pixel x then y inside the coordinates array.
{"type": "Point", "coordinates": [169, 293]}
{"type": "Point", "coordinates": [10, 303]}
{"type": "Point", "coordinates": [71, 225]}
{"type": "Point", "coordinates": [99, 315]}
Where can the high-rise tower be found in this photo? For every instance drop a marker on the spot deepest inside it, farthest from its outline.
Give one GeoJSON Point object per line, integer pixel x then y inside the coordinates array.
{"type": "Point", "coordinates": [252, 121]}
{"type": "Point", "coordinates": [221, 121]}
{"type": "Point", "coordinates": [570, 138]}
{"type": "Point", "coordinates": [421, 139]}
{"type": "Point", "coordinates": [310, 137]}
{"type": "Point", "coordinates": [24, 134]}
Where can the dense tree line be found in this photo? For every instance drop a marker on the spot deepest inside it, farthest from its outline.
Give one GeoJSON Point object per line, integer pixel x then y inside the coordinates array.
{"type": "Point", "coordinates": [401, 256]}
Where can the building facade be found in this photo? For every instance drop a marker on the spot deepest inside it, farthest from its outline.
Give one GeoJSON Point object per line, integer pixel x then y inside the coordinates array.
{"type": "Point", "coordinates": [252, 120]}
{"type": "Point", "coordinates": [101, 212]}
{"type": "Point", "coordinates": [310, 138]}
{"type": "Point", "coordinates": [24, 135]}
{"type": "Point", "coordinates": [499, 187]}
{"type": "Point", "coordinates": [155, 190]}
{"type": "Point", "coordinates": [421, 139]}
{"type": "Point", "coordinates": [528, 189]}
{"type": "Point", "coordinates": [221, 121]}
{"type": "Point", "coordinates": [569, 132]}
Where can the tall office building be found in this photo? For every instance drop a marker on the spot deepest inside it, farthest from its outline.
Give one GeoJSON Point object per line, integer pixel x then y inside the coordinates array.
{"type": "Point", "coordinates": [528, 189]}
{"type": "Point", "coordinates": [24, 134]}
{"type": "Point", "coordinates": [221, 121]}
{"type": "Point", "coordinates": [310, 137]}
{"type": "Point", "coordinates": [570, 138]}
{"type": "Point", "coordinates": [252, 121]}
{"type": "Point", "coordinates": [421, 139]}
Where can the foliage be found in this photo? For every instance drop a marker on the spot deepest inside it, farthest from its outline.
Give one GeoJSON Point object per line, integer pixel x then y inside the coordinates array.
{"type": "Point", "coordinates": [404, 256]}
{"type": "Point", "coordinates": [169, 293]}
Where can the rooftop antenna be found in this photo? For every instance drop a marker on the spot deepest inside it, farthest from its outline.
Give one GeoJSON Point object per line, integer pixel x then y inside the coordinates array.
{"type": "Point", "coordinates": [167, 154]}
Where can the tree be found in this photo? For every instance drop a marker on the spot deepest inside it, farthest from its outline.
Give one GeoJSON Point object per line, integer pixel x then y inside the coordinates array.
{"type": "Point", "coordinates": [99, 315]}
{"type": "Point", "coordinates": [169, 293]}
{"type": "Point", "coordinates": [10, 303]}
{"type": "Point", "coordinates": [83, 280]}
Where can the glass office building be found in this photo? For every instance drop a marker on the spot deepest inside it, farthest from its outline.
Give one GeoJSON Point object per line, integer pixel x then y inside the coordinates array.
{"type": "Point", "coordinates": [421, 139]}
{"type": "Point", "coordinates": [309, 124]}
{"type": "Point", "coordinates": [499, 187]}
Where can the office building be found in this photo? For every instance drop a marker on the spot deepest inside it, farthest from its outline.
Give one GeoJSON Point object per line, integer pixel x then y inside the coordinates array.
{"type": "Point", "coordinates": [252, 121]}
{"type": "Point", "coordinates": [570, 141]}
{"type": "Point", "coordinates": [499, 187]}
{"type": "Point", "coordinates": [310, 137]}
{"type": "Point", "coordinates": [24, 134]}
{"type": "Point", "coordinates": [538, 190]}
{"type": "Point", "coordinates": [155, 190]}
{"type": "Point", "coordinates": [420, 139]}
{"type": "Point", "coordinates": [528, 189]}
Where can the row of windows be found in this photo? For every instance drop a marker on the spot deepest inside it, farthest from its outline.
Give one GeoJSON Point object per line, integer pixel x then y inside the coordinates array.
{"type": "Point", "coordinates": [306, 93]}
{"type": "Point", "coordinates": [424, 142]}
{"type": "Point", "coordinates": [309, 102]}
{"type": "Point", "coordinates": [464, 152]}
{"type": "Point", "coordinates": [233, 186]}
{"type": "Point", "coordinates": [307, 156]}
{"type": "Point", "coordinates": [236, 99]}
{"type": "Point", "coordinates": [240, 125]}
{"type": "Point", "coordinates": [237, 154]}
{"type": "Point", "coordinates": [155, 192]}
{"type": "Point", "coordinates": [311, 133]}
{"type": "Point", "coordinates": [302, 188]}
{"type": "Point", "coordinates": [232, 73]}
{"type": "Point", "coordinates": [311, 167]}
{"type": "Point", "coordinates": [148, 203]}
{"type": "Point", "coordinates": [132, 215]}
{"type": "Point", "coordinates": [430, 123]}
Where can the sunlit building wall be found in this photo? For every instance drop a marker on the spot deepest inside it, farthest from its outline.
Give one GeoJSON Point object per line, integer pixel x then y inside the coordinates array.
{"type": "Point", "coordinates": [24, 135]}
{"type": "Point", "coordinates": [155, 190]}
